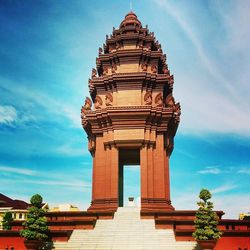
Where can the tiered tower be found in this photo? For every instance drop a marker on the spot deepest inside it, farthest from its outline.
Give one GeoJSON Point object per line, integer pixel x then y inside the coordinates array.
{"type": "Point", "coordinates": [134, 118]}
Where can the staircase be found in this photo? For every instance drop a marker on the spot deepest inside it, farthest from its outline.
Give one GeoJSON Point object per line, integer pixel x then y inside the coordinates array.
{"type": "Point", "coordinates": [125, 231]}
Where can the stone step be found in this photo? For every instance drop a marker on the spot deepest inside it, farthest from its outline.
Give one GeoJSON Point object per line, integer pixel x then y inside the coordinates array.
{"type": "Point", "coordinates": [125, 231]}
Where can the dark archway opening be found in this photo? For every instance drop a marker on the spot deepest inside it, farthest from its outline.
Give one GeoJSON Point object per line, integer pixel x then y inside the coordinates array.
{"type": "Point", "coordinates": [127, 157]}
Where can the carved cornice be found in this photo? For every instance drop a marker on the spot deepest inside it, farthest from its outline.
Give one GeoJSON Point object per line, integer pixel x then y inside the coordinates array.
{"type": "Point", "coordinates": [110, 118]}
{"type": "Point", "coordinates": [134, 80]}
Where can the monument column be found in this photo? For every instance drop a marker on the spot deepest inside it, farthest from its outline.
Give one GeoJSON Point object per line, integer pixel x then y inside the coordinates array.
{"type": "Point", "coordinates": [133, 111]}
{"type": "Point", "coordinates": [144, 171]}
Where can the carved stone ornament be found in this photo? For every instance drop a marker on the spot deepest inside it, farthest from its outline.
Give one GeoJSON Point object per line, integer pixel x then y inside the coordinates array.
{"type": "Point", "coordinates": [169, 101]}
{"type": "Point", "coordinates": [114, 68]}
{"type": "Point", "coordinates": [166, 70]}
{"type": "Point", "coordinates": [105, 70]}
{"type": "Point", "coordinates": [94, 72]}
{"type": "Point", "coordinates": [87, 106]}
{"type": "Point", "coordinates": [148, 98]}
{"type": "Point", "coordinates": [140, 44]}
{"type": "Point", "coordinates": [144, 67]}
{"type": "Point", "coordinates": [159, 100]}
{"type": "Point", "coordinates": [83, 112]}
{"type": "Point", "coordinates": [98, 102]}
{"type": "Point", "coordinates": [171, 80]}
{"type": "Point", "coordinates": [111, 48]}
{"type": "Point", "coordinates": [177, 109]}
{"type": "Point", "coordinates": [100, 50]}
{"type": "Point", "coordinates": [109, 99]}
{"type": "Point", "coordinates": [148, 46]}
{"type": "Point", "coordinates": [88, 103]}
{"type": "Point", "coordinates": [154, 69]}
{"type": "Point", "coordinates": [98, 61]}
{"type": "Point", "coordinates": [118, 46]}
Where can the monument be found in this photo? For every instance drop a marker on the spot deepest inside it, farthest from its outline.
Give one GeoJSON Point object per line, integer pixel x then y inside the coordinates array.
{"type": "Point", "coordinates": [134, 117]}
{"type": "Point", "coordinates": [133, 120]}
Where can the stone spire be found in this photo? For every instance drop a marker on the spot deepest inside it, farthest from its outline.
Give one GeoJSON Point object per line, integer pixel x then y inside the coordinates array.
{"type": "Point", "coordinates": [130, 19]}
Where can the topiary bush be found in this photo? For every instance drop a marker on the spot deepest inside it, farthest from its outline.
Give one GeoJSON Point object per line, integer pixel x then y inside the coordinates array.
{"type": "Point", "coordinates": [206, 219]}
{"type": "Point", "coordinates": [36, 223]}
{"type": "Point", "coordinates": [6, 222]}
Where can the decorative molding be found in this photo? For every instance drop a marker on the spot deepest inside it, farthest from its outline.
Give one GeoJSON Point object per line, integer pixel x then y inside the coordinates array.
{"type": "Point", "coordinates": [169, 101]}
{"type": "Point", "coordinates": [105, 70]}
{"type": "Point", "coordinates": [144, 67]}
{"type": "Point", "coordinates": [177, 109]}
{"type": "Point", "coordinates": [114, 68]}
{"type": "Point", "coordinates": [148, 98]}
{"type": "Point", "coordinates": [94, 73]}
{"type": "Point", "coordinates": [87, 106]}
{"type": "Point", "coordinates": [108, 99]}
{"type": "Point", "coordinates": [154, 69]}
{"type": "Point", "coordinates": [98, 102]}
{"type": "Point", "coordinates": [159, 100]}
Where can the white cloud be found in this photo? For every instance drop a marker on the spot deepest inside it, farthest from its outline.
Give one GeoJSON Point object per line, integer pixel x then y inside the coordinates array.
{"type": "Point", "coordinates": [244, 171]}
{"type": "Point", "coordinates": [57, 106]}
{"type": "Point", "coordinates": [223, 202]}
{"type": "Point", "coordinates": [223, 188]}
{"type": "Point", "coordinates": [59, 182]}
{"type": "Point", "coordinates": [185, 25]}
{"type": "Point", "coordinates": [185, 153]}
{"type": "Point", "coordinates": [210, 170]}
{"type": "Point", "coordinates": [15, 170]}
{"type": "Point", "coordinates": [210, 98]}
{"type": "Point", "coordinates": [8, 114]}
{"type": "Point", "coordinates": [232, 204]}
{"type": "Point", "coordinates": [236, 24]}
{"type": "Point", "coordinates": [70, 150]}
{"type": "Point", "coordinates": [205, 110]}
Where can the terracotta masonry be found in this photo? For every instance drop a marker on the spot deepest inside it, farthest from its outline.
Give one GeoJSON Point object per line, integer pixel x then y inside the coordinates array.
{"type": "Point", "coordinates": [134, 117]}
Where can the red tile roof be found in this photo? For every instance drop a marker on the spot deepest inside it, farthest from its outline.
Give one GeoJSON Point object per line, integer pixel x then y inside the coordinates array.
{"type": "Point", "coordinates": [6, 201]}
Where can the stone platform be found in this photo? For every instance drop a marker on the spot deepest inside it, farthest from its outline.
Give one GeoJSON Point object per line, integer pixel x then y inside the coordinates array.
{"type": "Point", "coordinates": [125, 231]}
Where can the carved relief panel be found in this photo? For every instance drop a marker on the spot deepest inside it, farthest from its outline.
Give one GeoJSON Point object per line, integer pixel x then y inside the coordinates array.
{"type": "Point", "coordinates": [148, 98]}
{"type": "Point", "coordinates": [98, 102]}
{"type": "Point", "coordinates": [159, 100]}
{"type": "Point", "coordinates": [109, 99]}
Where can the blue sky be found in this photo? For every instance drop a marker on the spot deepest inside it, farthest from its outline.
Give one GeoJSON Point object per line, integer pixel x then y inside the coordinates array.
{"type": "Point", "coordinates": [47, 51]}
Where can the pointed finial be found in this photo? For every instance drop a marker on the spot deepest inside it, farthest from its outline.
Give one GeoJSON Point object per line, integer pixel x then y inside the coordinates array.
{"type": "Point", "coordinates": [131, 5]}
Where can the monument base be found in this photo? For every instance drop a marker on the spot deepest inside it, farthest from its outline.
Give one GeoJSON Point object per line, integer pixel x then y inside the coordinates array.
{"type": "Point", "coordinates": [154, 205]}
{"type": "Point", "coordinates": [103, 206]}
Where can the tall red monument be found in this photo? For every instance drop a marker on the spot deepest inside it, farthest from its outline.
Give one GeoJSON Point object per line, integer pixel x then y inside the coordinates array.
{"type": "Point", "coordinates": [133, 121]}
{"type": "Point", "coordinates": [134, 117]}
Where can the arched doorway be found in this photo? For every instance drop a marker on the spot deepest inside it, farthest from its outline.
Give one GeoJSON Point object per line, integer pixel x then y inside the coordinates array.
{"type": "Point", "coordinates": [127, 157]}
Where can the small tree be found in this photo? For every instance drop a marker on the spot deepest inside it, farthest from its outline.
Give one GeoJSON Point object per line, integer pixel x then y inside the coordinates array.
{"type": "Point", "coordinates": [6, 222]}
{"type": "Point", "coordinates": [36, 224]}
{"type": "Point", "coordinates": [206, 219]}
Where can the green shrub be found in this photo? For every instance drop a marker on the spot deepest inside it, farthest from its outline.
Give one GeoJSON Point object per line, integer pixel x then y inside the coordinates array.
{"type": "Point", "coordinates": [246, 217]}
{"type": "Point", "coordinates": [36, 224]}
{"type": "Point", "coordinates": [206, 219]}
{"type": "Point", "coordinates": [6, 222]}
